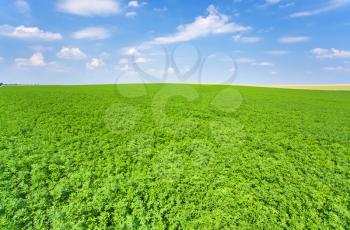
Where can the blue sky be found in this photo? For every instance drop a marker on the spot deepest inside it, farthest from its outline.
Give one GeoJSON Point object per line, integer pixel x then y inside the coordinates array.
{"type": "Point", "coordinates": [115, 41]}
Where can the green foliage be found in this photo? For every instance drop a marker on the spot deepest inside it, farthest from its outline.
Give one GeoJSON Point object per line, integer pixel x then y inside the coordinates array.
{"type": "Point", "coordinates": [173, 157]}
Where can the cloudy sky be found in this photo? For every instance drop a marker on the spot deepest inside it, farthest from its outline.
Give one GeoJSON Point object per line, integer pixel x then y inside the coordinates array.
{"type": "Point", "coordinates": [117, 41]}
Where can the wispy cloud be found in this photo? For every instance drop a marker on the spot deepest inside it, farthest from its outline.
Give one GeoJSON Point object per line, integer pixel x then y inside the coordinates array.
{"type": "Point", "coordinates": [123, 64]}
{"type": "Point", "coordinates": [340, 69]}
{"type": "Point", "coordinates": [294, 39]}
{"type": "Point", "coordinates": [263, 64]}
{"type": "Point", "coordinates": [93, 33]}
{"type": "Point", "coordinates": [243, 39]}
{"type": "Point", "coordinates": [23, 7]}
{"type": "Point", "coordinates": [286, 5]}
{"type": "Point", "coordinates": [22, 32]}
{"type": "Point", "coordinates": [272, 2]}
{"type": "Point", "coordinates": [89, 7]}
{"type": "Point", "coordinates": [160, 9]}
{"type": "Point", "coordinates": [214, 23]}
{"type": "Point", "coordinates": [130, 14]}
{"type": "Point", "coordinates": [329, 6]}
{"type": "Point", "coordinates": [253, 62]}
{"type": "Point", "coordinates": [245, 60]}
{"type": "Point", "coordinates": [333, 53]}
{"type": "Point", "coordinates": [277, 52]}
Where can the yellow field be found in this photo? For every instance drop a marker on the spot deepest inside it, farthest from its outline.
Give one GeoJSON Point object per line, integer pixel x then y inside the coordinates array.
{"type": "Point", "coordinates": [315, 87]}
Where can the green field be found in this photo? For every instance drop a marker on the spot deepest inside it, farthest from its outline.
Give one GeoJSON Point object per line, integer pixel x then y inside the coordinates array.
{"type": "Point", "coordinates": [174, 157]}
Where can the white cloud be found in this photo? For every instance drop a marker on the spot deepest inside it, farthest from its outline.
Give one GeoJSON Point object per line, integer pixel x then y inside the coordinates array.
{"type": "Point", "coordinates": [340, 69]}
{"type": "Point", "coordinates": [23, 7]}
{"type": "Point", "coordinates": [94, 63]}
{"type": "Point", "coordinates": [171, 70]}
{"type": "Point", "coordinates": [89, 7]}
{"type": "Point", "coordinates": [22, 32]}
{"type": "Point", "coordinates": [245, 60]}
{"type": "Point", "coordinates": [136, 4]}
{"type": "Point", "coordinates": [123, 64]}
{"type": "Point", "coordinates": [294, 39]}
{"type": "Point", "coordinates": [104, 55]}
{"type": "Point", "coordinates": [36, 60]}
{"type": "Point", "coordinates": [329, 6]}
{"type": "Point", "coordinates": [330, 53]}
{"type": "Point", "coordinates": [286, 5]}
{"type": "Point", "coordinates": [242, 39]}
{"type": "Point", "coordinates": [41, 48]}
{"type": "Point", "coordinates": [130, 14]}
{"type": "Point", "coordinates": [1, 59]}
{"type": "Point", "coordinates": [71, 53]}
{"type": "Point", "coordinates": [253, 62]}
{"type": "Point", "coordinates": [277, 52]}
{"type": "Point", "coordinates": [58, 67]}
{"type": "Point", "coordinates": [94, 33]}
{"type": "Point", "coordinates": [161, 9]}
{"type": "Point", "coordinates": [123, 61]}
{"type": "Point", "coordinates": [264, 64]}
{"type": "Point", "coordinates": [272, 2]}
{"type": "Point", "coordinates": [214, 23]}
{"type": "Point", "coordinates": [141, 60]}
{"type": "Point", "coordinates": [129, 51]}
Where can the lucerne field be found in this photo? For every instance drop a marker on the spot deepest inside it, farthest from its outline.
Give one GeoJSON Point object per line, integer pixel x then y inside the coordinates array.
{"type": "Point", "coordinates": [174, 156]}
